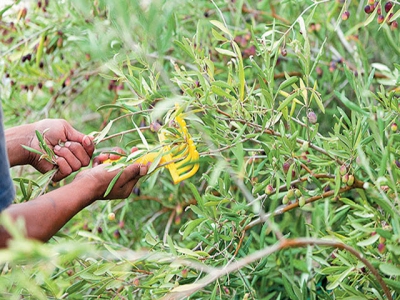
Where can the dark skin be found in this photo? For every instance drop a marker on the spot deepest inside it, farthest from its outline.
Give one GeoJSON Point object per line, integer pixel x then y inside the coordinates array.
{"type": "Point", "coordinates": [47, 214]}
{"type": "Point", "coordinates": [75, 153]}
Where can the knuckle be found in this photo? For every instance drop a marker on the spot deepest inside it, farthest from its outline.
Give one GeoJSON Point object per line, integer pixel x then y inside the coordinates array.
{"type": "Point", "coordinates": [85, 161]}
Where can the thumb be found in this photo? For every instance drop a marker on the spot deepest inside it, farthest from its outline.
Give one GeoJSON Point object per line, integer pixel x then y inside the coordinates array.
{"type": "Point", "coordinates": [74, 135]}
{"type": "Point", "coordinates": [135, 171]}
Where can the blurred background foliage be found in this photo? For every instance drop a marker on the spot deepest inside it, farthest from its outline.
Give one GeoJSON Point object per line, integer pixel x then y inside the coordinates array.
{"type": "Point", "coordinates": [293, 106]}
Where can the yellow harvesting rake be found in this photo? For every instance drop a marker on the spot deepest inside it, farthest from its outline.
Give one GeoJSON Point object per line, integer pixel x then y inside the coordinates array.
{"type": "Point", "coordinates": [178, 152]}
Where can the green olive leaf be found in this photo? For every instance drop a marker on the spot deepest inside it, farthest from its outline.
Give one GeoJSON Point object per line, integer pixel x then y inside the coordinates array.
{"type": "Point", "coordinates": [112, 183]}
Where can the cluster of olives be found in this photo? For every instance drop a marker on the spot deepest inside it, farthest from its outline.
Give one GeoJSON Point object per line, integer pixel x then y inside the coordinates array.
{"type": "Point", "coordinates": [389, 8]}
{"type": "Point", "coordinates": [375, 5]}
{"type": "Point", "coordinates": [346, 177]}
{"type": "Point", "coordinates": [294, 194]}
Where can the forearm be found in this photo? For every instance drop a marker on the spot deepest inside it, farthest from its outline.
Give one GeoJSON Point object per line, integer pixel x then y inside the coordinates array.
{"type": "Point", "coordinates": [15, 138]}
{"type": "Point", "coordinates": [47, 214]}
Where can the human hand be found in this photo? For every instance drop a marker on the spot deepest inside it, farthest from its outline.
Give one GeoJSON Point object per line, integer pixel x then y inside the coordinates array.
{"type": "Point", "coordinates": [100, 176]}
{"type": "Point", "coordinates": [72, 148]}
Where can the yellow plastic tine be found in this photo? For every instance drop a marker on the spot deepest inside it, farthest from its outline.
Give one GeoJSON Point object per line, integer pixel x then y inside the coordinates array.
{"type": "Point", "coordinates": [179, 149]}
{"type": "Point", "coordinates": [187, 175]}
{"type": "Point", "coordinates": [174, 174]}
{"type": "Point", "coordinates": [187, 157]}
{"type": "Point", "coordinates": [182, 154]}
{"type": "Point", "coordinates": [188, 169]}
{"type": "Point", "coordinates": [188, 166]}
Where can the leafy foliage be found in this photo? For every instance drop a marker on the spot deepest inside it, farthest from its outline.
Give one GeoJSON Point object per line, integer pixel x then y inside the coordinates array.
{"type": "Point", "coordinates": [294, 111]}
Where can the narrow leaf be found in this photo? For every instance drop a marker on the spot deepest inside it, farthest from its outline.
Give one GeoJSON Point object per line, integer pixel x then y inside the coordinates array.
{"type": "Point", "coordinates": [144, 141]}
{"type": "Point", "coordinates": [389, 269]}
{"type": "Point", "coordinates": [103, 133]}
{"type": "Point", "coordinates": [368, 241]}
{"type": "Point", "coordinates": [39, 51]}
{"type": "Point", "coordinates": [196, 195]}
{"type": "Point", "coordinates": [351, 105]}
{"type": "Point", "coordinates": [287, 101]}
{"type": "Point", "coordinates": [155, 163]}
{"type": "Point", "coordinates": [221, 27]}
{"type": "Point", "coordinates": [190, 226]}
{"type": "Point", "coordinates": [304, 93]}
{"type": "Point", "coordinates": [112, 183]}
{"type": "Point", "coordinates": [32, 150]}
{"type": "Point", "coordinates": [218, 36]}
{"type": "Point", "coordinates": [288, 82]}
{"type": "Point", "coordinates": [171, 245]}
{"type": "Point", "coordinates": [226, 52]}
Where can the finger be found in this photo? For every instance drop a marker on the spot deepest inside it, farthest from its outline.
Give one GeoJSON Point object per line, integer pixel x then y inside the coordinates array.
{"type": "Point", "coordinates": [116, 156]}
{"type": "Point", "coordinates": [143, 169]}
{"type": "Point", "coordinates": [103, 156]}
{"type": "Point", "coordinates": [137, 170]}
{"type": "Point", "coordinates": [88, 144]}
{"type": "Point", "coordinates": [128, 187]}
{"type": "Point", "coordinates": [71, 133]}
{"type": "Point", "coordinates": [132, 172]}
{"type": "Point", "coordinates": [70, 158]}
{"type": "Point", "coordinates": [75, 136]}
{"type": "Point", "coordinates": [64, 169]}
{"type": "Point", "coordinates": [127, 180]}
{"type": "Point", "coordinates": [79, 152]}
{"type": "Point", "coordinates": [44, 166]}
{"type": "Point", "coordinates": [96, 162]}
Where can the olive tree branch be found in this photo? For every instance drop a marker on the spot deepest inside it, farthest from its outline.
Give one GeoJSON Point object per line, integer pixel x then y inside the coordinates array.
{"type": "Point", "coordinates": [186, 290]}
{"type": "Point", "coordinates": [277, 134]}
{"type": "Point", "coordinates": [285, 208]}
{"type": "Point", "coordinates": [123, 133]}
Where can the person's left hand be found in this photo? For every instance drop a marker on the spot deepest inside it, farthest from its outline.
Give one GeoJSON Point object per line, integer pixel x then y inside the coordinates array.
{"type": "Point", "coordinates": [73, 149]}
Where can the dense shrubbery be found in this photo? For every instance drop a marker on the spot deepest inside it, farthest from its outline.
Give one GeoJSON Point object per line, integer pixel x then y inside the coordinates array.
{"type": "Point", "coordinates": [293, 106]}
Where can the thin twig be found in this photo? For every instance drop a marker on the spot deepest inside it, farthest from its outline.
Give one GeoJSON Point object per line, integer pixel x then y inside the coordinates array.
{"type": "Point", "coordinates": [48, 182]}
{"type": "Point", "coordinates": [277, 134]}
{"type": "Point", "coordinates": [285, 208]}
{"type": "Point", "coordinates": [124, 132]}
{"type": "Point", "coordinates": [168, 226]}
{"type": "Point", "coordinates": [183, 291]}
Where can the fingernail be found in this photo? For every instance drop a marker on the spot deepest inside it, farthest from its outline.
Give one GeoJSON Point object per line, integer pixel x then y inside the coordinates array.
{"type": "Point", "coordinates": [143, 171]}
{"type": "Point", "coordinates": [57, 148]}
{"type": "Point", "coordinates": [67, 144]}
{"type": "Point", "coordinates": [87, 141]}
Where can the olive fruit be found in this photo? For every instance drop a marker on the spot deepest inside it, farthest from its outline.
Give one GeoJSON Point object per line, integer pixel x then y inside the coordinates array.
{"type": "Point", "coordinates": [285, 199]}
{"type": "Point", "coordinates": [388, 6]}
{"type": "Point", "coordinates": [302, 201]}
{"type": "Point", "coordinates": [312, 117]}
{"type": "Point", "coordinates": [343, 170]}
{"type": "Point", "coordinates": [269, 189]}
{"type": "Point", "coordinates": [111, 216]}
{"type": "Point", "coordinates": [350, 181]}
{"type": "Point", "coordinates": [345, 15]}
